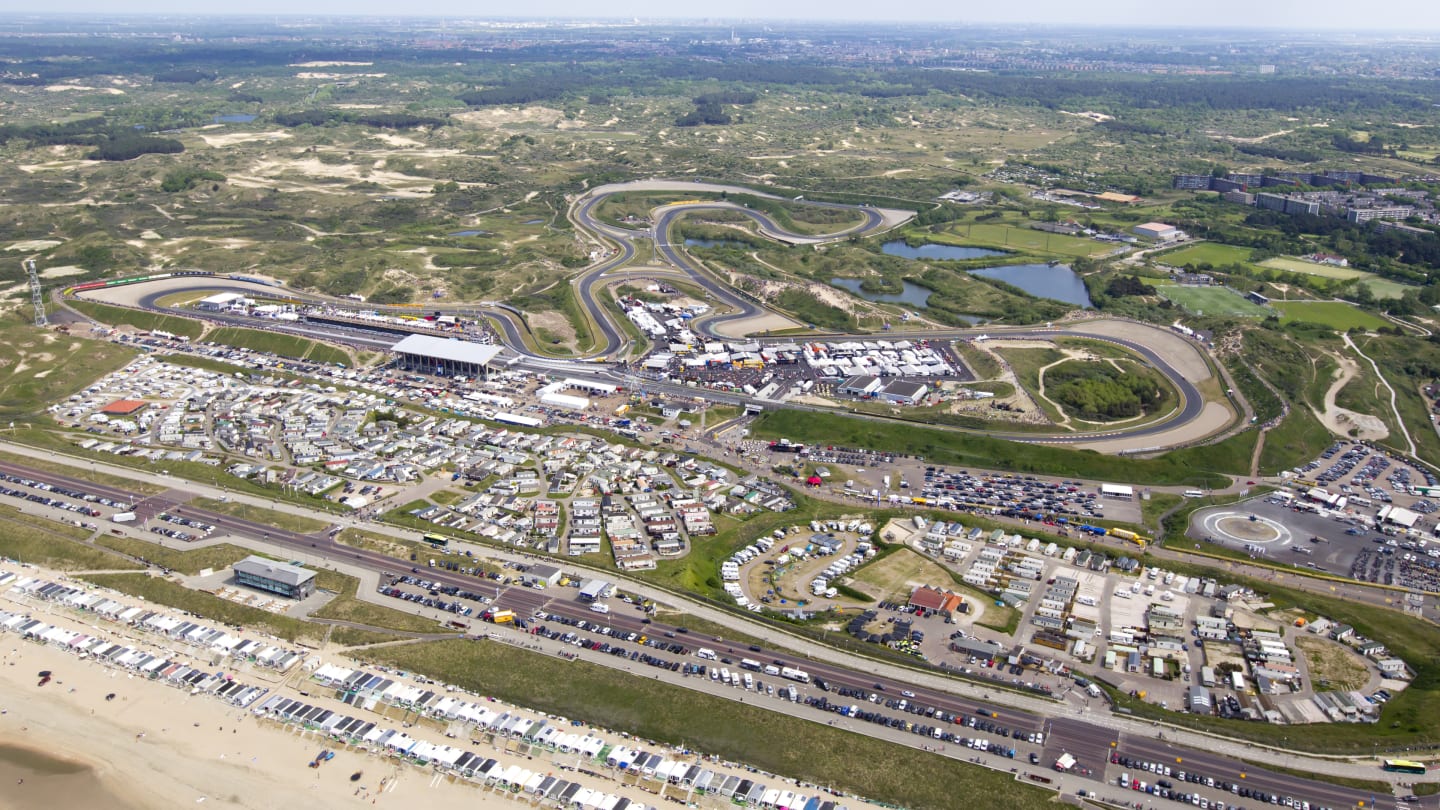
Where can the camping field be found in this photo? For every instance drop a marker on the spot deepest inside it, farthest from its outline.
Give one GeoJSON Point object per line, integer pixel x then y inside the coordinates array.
{"type": "Point", "coordinates": [1211, 253]}
{"type": "Point", "coordinates": [1295, 265]}
{"type": "Point", "coordinates": [999, 235]}
{"type": "Point", "coordinates": [1334, 314]}
{"type": "Point", "coordinates": [1212, 301]}
{"type": "Point", "coordinates": [1379, 287]}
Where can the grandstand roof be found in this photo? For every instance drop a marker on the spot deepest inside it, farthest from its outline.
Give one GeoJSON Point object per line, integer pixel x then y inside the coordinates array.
{"type": "Point", "coordinates": [452, 349]}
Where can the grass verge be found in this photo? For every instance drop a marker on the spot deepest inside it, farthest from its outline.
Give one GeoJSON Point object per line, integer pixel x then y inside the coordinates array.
{"type": "Point", "coordinates": [192, 561]}
{"type": "Point", "coordinates": [83, 473]}
{"type": "Point", "coordinates": [968, 450]}
{"type": "Point", "coordinates": [258, 514]}
{"type": "Point", "coordinates": [140, 319]}
{"type": "Point", "coordinates": [34, 540]}
{"type": "Point", "coordinates": [280, 344]}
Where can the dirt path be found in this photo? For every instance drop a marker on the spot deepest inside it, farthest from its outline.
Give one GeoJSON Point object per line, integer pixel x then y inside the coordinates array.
{"type": "Point", "coordinates": [1342, 421]}
{"type": "Point", "coordinates": [1367, 425]}
{"type": "Point", "coordinates": [1064, 421]}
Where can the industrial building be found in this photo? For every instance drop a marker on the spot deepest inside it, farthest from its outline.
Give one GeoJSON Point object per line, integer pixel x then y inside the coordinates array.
{"type": "Point", "coordinates": [1158, 231]}
{"type": "Point", "coordinates": [275, 577]}
{"type": "Point", "coordinates": [859, 386]}
{"type": "Point", "coordinates": [447, 357]}
{"type": "Point", "coordinates": [904, 393]}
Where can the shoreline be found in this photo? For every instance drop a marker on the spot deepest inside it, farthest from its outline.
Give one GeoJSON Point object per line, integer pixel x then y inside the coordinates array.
{"type": "Point", "coordinates": [41, 779]}
{"type": "Point", "coordinates": [97, 734]}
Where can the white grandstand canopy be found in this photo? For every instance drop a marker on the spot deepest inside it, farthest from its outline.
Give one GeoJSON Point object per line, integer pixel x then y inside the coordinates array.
{"type": "Point", "coordinates": [452, 349]}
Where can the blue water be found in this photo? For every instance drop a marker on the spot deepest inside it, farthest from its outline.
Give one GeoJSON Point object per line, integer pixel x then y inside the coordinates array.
{"type": "Point", "coordinates": [1057, 282]}
{"type": "Point", "coordinates": [470, 233]}
{"type": "Point", "coordinates": [934, 251]}
{"type": "Point", "coordinates": [234, 118]}
{"type": "Point", "coordinates": [533, 222]}
{"type": "Point", "coordinates": [912, 294]}
{"type": "Point", "coordinates": [729, 243]}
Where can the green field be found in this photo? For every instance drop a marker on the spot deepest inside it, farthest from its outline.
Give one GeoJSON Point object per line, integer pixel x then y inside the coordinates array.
{"type": "Point", "coordinates": [1211, 253]}
{"type": "Point", "coordinates": [1334, 314]}
{"type": "Point", "coordinates": [1019, 237]}
{"type": "Point", "coordinates": [279, 344]}
{"type": "Point", "coordinates": [39, 368]}
{"type": "Point", "coordinates": [1212, 301]}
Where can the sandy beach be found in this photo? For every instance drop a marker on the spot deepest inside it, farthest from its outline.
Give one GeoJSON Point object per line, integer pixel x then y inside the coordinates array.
{"type": "Point", "coordinates": [156, 747]}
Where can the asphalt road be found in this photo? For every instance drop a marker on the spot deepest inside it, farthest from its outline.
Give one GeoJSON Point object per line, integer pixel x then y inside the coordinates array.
{"type": "Point", "coordinates": [1083, 736]}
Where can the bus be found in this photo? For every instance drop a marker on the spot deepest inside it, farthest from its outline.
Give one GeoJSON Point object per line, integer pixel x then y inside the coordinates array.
{"type": "Point", "coordinates": [438, 541]}
{"type": "Point", "coordinates": [1403, 766]}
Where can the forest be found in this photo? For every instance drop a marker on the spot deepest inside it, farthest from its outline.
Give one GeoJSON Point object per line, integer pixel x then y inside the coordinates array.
{"type": "Point", "coordinates": [1100, 392]}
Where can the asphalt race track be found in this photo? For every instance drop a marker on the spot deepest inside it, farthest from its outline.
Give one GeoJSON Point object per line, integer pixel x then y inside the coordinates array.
{"type": "Point", "coordinates": [589, 283]}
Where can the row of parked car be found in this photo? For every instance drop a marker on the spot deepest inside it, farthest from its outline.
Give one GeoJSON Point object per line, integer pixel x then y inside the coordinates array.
{"type": "Point", "coordinates": [36, 497]}
{"type": "Point", "coordinates": [458, 608]}
{"type": "Point", "coordinates": [1166, 789]}
{"type": "Point", "coordinates": [925, 730]}
{"type": "Point", "coordinates": [87, 497]}
{"type": "Point", "coordinates": [204, 529]}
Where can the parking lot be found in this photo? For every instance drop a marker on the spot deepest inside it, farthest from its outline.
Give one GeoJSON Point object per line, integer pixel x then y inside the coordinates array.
{"type": "Point", "coordinates": [1336, 543]}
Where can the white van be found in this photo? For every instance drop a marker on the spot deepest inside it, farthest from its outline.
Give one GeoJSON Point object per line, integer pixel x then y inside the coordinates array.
{"type": "Point", "coordinates": [600, 607]}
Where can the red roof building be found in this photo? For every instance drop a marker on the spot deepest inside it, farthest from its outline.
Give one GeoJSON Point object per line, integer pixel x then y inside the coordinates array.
{"type": "Point", "coordinates": [932, 600]}
{"type": "Point", "coordinates": [123, 407]}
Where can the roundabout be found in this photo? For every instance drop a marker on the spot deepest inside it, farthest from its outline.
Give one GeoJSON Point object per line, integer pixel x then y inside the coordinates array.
{"type": "Point", "coordinates": [1245, 530]}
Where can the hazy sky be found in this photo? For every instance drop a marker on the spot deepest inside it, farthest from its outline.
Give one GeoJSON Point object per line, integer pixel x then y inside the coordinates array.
{"type": "Point", "coordinates": [1395, 15]}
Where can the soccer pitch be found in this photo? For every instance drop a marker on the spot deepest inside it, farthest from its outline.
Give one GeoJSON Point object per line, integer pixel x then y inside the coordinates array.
{"type": "Point", "coordinates": [1212, 301]}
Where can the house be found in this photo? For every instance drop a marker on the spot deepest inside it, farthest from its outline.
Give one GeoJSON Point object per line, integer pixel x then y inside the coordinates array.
{"type": "Point", "coordinates": [1393, 668]}
{"type": "Point", "coordinates": [932, 600]}
{"type": "Point", "coordinates": [541, 576]}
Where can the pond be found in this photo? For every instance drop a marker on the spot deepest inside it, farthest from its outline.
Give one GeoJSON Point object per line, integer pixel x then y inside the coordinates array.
{"type": "Point", "coordinates": [470, 233]}
{"type": "Point", "coordinates": [710, 243]}
{"type": "Point", "coordinates": [912, 294]}
{"type": "Point", "coordinates": [934, 251]}
{"type": "Point", "coordinates": [1056, 282]}
{"type": "Point", "coordinates": [533, 222]}
{"type": "Point", "coordinates": [234, 118]}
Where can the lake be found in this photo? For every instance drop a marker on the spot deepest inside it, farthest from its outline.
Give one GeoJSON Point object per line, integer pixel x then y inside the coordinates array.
{"type": "Point", "coordinates": [934, 251]}
{"type": "Point", "coordinates": [1057, 282]}
{"type": "Point", "coordinates": [725, 243]}
{"type": "Point", "coordinates": [470, 233]}
{"type": "Point", "coordinates": [234, 118]}
{"type": "Point", "coordinates": [912, 294]}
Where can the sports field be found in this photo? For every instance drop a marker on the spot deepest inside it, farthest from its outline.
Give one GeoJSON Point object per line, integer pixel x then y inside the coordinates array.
{"type": "Point", "coordinates": [1212, 301]}
{"type": "Point", "coordinates": [1334, 314]}
{"type": "Point", "coordinates": [1215, 255]}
